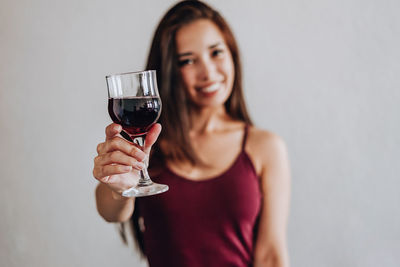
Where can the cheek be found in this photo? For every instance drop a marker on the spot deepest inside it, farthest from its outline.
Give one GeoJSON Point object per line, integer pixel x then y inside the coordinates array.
{"type": "Point", "coordinates": [187, 77]}
{"type": "Point", "coordinates": [188, 80]}
{"type": "Point", "coordinates": [232, 71]}
{"type": "Point", "coordinates": [229, 70]}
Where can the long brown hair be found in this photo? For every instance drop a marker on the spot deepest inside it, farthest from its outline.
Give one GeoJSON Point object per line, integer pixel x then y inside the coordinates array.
{"type": "Point", "coordinates": [175, 112]}
{"type": "Point", "coordinates": [163, 58]}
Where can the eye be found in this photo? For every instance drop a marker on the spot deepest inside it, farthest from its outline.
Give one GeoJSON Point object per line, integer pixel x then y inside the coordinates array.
{"type": "Point", "coordinates": [184, 62]}
{"type": "Point", "coordinates": [217, 52]}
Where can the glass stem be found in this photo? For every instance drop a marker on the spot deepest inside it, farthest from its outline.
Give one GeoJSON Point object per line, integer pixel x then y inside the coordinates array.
{"type": "Point", "coordinates": [144, 179]}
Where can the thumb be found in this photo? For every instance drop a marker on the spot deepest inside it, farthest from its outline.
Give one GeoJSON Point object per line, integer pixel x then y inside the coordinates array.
{"type": "Point", "coordinates": [151, 137]}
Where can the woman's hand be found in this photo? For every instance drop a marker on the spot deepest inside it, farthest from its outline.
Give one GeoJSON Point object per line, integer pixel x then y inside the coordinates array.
{"type": "Point", "coordinates": [119, 161]}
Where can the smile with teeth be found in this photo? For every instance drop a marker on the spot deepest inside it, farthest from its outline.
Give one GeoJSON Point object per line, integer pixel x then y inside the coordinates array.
{"type": "Point", "coordinates": [212, 88]}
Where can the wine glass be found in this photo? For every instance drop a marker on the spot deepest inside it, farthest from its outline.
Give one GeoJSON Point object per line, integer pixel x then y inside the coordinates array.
{"type": "Point", "coordinates": [134, 103]}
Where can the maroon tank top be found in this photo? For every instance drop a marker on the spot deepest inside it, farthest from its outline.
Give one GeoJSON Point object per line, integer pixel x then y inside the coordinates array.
{"type": "Point", "coordinates": [203, 223]}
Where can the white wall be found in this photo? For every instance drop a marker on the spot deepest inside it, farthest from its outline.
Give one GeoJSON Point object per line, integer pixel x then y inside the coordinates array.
{"type": "Point", "coordinates": [322, 74]}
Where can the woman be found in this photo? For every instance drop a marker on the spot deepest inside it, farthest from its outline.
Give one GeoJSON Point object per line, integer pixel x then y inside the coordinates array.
{"type": "Point", "coordinates": [229, 181]}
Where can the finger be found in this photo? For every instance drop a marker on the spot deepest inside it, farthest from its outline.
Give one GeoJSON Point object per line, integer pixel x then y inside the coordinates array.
{"type": "Point", "coordinates": [118, 158]}
{"type": "Point", "coordinates": [151, 137]}
{"type": "Point", "coordinates": [102, 173]}
{"type": "Point", "coordinates": [113, 130]}
{"type": "Point", "coordinates": [119, 144]}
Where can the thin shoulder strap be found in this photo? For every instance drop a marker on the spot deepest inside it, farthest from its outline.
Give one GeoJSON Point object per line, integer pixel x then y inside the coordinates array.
{"type": "Point", "coordinates": [246, 132]}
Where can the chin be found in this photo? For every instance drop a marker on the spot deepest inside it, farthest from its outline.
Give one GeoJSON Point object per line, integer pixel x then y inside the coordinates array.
{"type": "Point", "coordinates": [211, 103]}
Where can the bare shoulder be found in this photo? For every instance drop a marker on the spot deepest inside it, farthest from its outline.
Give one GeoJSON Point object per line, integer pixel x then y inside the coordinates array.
{"type": "Point", "coordinates": [265, 148]}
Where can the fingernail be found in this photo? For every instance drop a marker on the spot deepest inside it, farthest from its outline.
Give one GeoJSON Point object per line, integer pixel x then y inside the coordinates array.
{"type": "Point", "coordinates": [140, 155]}
{"type": "Point", "coordinates": [140, 165]}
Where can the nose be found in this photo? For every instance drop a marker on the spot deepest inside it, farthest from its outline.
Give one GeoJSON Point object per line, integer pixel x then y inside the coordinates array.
{"type": "Point", "coordinates": [206, 70]}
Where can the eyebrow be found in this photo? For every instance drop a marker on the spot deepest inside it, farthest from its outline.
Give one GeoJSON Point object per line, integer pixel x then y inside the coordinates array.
{"type": "Point", "coordinates": [190, 53]}
{"type": "Point", "coordinates": [214, 45]}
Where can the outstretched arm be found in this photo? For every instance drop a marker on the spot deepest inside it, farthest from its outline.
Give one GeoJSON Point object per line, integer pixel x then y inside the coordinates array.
{"type": "Point", "coordinates": [117, 167]}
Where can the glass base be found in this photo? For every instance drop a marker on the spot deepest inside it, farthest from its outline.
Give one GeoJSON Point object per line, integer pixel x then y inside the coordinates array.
{"type": "Point", "coordinates": [145, 190]}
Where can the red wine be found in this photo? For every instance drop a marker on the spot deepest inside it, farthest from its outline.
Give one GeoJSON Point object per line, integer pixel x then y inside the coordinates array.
{"type": "Point", "coordinates": [136, 114]}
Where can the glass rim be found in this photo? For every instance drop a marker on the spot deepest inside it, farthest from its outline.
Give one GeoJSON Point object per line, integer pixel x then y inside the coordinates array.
{"type": "Point", "coordinates": [131, 72]}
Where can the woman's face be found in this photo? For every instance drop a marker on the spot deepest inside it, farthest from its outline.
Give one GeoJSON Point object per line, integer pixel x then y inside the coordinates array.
{"type": "Point", "coordinates": [206, 64]}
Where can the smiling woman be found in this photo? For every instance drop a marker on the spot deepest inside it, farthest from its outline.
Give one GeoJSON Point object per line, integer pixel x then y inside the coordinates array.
{"type": "Point", "coordinates": [229, 181]}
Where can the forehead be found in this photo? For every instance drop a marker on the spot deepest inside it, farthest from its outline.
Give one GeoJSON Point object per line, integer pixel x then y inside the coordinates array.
{"type": "Point", "coordinates": [198, 35]}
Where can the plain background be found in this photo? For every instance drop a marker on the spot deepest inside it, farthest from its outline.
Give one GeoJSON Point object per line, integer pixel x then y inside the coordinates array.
{"type": "Point", "coordinates": [323, 74]}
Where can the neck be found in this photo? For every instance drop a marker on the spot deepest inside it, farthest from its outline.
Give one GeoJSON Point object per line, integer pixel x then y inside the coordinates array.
{"type": "Point", "coordinates": [207, 120]}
